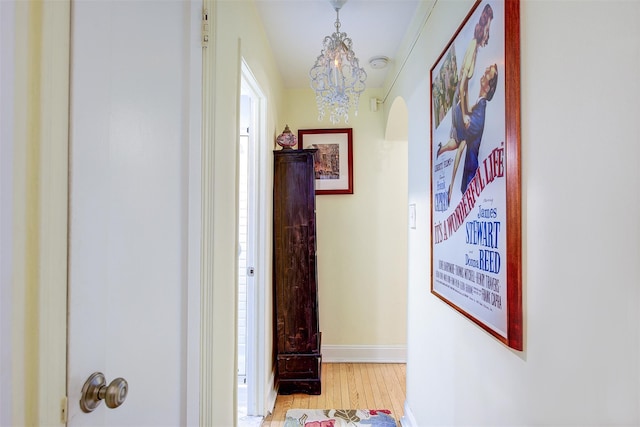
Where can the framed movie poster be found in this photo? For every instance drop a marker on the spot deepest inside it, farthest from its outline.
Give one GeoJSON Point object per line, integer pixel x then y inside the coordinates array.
{"type": "Point", "coordinates": [333, 162]}
{"type": "Point", "coordinates": [475, 171]}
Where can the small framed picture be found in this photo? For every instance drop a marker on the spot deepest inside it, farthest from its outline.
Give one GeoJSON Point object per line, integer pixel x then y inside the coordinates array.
{"type": "Point", "coordinates": [333, 160]}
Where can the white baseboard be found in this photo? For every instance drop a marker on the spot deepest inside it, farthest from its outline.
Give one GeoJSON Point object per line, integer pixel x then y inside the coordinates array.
{"type": "Point", "coordinates": [408, 419]}
{"type": "Point", "coordinates": [364, 354]}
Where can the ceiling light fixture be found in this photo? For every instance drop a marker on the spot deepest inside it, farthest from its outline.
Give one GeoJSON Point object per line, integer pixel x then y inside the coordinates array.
{"type": "Point", "coordinates": [337, 77]}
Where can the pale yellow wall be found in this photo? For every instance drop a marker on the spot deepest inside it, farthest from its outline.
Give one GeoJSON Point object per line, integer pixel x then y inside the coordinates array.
{"type": "Point", "coordinates": [237, 33]}
{"type": "Point", "coordinates": [361, 238]}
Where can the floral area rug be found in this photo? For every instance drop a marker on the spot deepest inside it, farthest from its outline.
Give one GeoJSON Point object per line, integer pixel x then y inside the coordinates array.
{"type": "Point", "coordinates": [339, 418]}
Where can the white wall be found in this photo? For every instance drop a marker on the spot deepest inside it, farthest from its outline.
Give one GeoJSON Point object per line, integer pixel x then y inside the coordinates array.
{"type": "Point", "coordinates": [361, 239]}
{"type": "Point", "coordinates": [581, 240]}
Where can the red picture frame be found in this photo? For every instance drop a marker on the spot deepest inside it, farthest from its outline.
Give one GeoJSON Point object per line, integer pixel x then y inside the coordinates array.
{"type": "Point", "coordinates": [333, 160]}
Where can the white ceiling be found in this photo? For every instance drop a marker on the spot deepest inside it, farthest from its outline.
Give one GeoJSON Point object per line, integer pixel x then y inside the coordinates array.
{"type": "Point", "coordinates": [296, 29]}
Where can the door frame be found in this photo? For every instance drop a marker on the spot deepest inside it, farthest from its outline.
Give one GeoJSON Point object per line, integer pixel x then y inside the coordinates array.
{"type": "Point", "coordinates": [39, 215]}
{"type": "Point", "coordinates": [7, 79]}
{"type": "Point", "coordinates": [256, 297]}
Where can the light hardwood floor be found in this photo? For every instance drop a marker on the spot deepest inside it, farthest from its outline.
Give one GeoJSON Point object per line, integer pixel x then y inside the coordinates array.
{"type": "Point", "coordinates": [350, 386]}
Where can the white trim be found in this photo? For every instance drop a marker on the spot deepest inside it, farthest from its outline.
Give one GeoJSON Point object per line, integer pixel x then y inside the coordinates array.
{"type": "Point", "coordinates": [408, 420]}
{"type": "Point", "coordinates": [40, 131]}
{"type": "Point", "coordinates": [54, 183]}
{"type": "Point", "coordinates": [194, 219]}
{"type": "Point", "coordinates": [207, 326]}
{"type": "Point", "coordinates": [18, 105]}
{"type": "Point", "coordinates": [270, 402]}
{"type": "Point", "coordinates": [256, 295]}
{"type": "Point", "coordinates": [364, 353]}
{"type": "Point", "coordinates": [7, 81]}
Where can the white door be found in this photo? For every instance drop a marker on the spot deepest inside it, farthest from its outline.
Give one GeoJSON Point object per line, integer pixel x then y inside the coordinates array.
{"type": "Point", "coordinates": [135, 109]}
{"type": "Point", "coordinates": [251, 394]}
{"type": "Point", "coordinates": [247, 264]}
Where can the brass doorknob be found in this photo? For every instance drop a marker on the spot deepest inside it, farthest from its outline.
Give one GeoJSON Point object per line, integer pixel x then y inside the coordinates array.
{"type": "Point", "coordinates": [95, 390]}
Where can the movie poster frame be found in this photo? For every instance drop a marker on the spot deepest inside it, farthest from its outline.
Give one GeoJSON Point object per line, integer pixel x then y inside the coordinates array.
{"type": "Point", "coordinates": [509, 66]}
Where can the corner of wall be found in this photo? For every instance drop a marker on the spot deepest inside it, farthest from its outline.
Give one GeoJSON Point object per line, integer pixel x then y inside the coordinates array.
{"type": "Point", "coordinates": [270, 400]}
{"type": "Point", "coordinates": [408, 420]}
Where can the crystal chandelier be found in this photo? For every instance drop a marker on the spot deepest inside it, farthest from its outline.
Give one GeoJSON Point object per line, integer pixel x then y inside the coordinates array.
{"type": "Point", "coordinates": [337, 77]}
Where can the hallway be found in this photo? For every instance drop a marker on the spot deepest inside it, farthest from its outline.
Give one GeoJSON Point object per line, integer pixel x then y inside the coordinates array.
{"type": "Point", "coordinates": [350, 386]}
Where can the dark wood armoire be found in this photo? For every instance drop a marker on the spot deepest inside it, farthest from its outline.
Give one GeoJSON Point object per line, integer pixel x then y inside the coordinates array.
{"type": "Point", "coordinates": [295, 293]}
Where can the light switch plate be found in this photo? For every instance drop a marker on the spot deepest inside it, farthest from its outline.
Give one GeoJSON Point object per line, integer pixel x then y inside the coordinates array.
{"type": "Point", "coordinates": [412, 216]}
